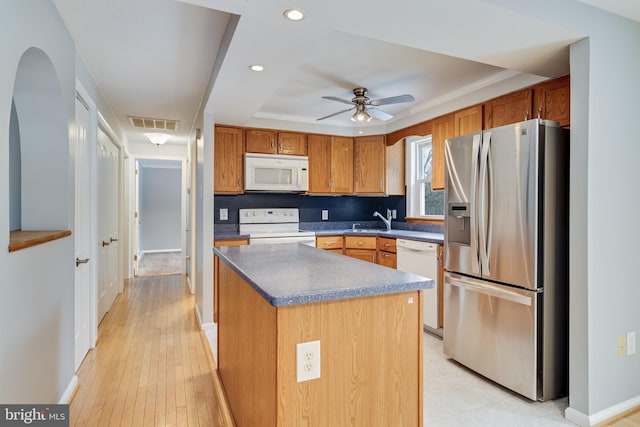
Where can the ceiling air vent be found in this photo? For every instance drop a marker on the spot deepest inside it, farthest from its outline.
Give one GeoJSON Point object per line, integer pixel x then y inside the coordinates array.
{"type": "Point", "coordinates": [156, 124]}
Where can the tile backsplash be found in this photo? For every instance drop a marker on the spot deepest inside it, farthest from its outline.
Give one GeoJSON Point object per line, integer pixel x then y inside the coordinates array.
{"type": "Point", "coordinates": [343, 210]}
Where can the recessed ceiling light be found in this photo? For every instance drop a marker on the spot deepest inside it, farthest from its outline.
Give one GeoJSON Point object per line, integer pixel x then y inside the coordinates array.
{"type": "Point", "coordinates": [256, 67]}
{"type": "Point", "coordinates": [294, 14]}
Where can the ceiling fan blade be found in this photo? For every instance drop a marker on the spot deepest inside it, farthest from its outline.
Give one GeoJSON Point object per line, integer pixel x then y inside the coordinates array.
{"type": "Point", "coordinates": [335, 114]}
{"type": "Point", "coordinates": [392, 100]}
{"type": "Point", "coordinates": [335, 98]}
{"type": "Point", "coordinates": [379, 114]}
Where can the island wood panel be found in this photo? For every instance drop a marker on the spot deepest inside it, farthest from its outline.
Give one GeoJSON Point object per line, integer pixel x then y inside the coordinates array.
{"type": "Point", "coordinates": [247, 351]}
{"type": "Point", "coordinates": [216, 263]}
{"type": "Point", "coordinates": [370, 164]}
{"type": "Point", "coordinates": [371, 362]}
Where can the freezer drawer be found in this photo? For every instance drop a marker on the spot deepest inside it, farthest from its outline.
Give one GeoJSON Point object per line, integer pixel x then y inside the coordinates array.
{"type": "Point", "coordinates": [492, 330]}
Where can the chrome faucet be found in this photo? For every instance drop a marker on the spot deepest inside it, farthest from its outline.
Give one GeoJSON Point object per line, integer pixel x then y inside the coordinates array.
{"type": "Point", "coordinates": [387, 221]}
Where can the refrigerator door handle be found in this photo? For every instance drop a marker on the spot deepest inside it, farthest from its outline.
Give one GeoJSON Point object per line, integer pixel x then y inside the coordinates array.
{"type": "Point", "coordinates": [490, 290]}
{"type": "Point", "coordinates": [486, 144]}
{"type": "Point", "coordinates": [475, 268]}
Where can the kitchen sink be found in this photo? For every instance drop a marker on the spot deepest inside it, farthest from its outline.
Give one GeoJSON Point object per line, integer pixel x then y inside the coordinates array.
{"type": "Point", "coordinates": [367, 230]}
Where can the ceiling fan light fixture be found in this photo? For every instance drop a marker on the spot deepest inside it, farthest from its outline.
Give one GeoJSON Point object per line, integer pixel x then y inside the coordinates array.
{"type": "Point", "coordinates": [157, 138]}
{"type": "Point", "coordinates": [360, 115]}
{"type": "Point", "coordinates": [294, 14]}
{"type": "Point", "coordinates": [256, 67]}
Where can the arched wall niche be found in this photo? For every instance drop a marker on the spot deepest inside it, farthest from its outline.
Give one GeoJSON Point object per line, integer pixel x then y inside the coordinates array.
{"type": "Point", "coordinates": [39, 165]}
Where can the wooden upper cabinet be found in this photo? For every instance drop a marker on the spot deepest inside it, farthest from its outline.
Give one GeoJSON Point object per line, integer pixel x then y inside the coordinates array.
{"type": "Point", "coordinates": [468, 120]}
{"type": "Point", "coordinates": [442, 128]}
{"type": "Point", "coordinates": [369, 164]}
{"type": "Point", "coordinates": [319, 164]}
{"type": "Point", "coordinates": [228, 151]}
{"type": "Point", "coordinates": [395, 169]}
{"type": "Point", "coordinates": [292, 143]}
{"type": "Point", "coordinates": [511, 108]}
{"type": "Point", "coordinates": [341, 164]}
{"type": "Point", "coordinates": [551, 100]}
{"type": "Point", "coordinates": [269, 141]}
{"type": "Point", "coordinates": [261, 141]}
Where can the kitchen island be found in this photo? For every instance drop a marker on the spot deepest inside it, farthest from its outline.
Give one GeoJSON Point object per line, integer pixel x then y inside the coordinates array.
{"type": "Point", "coordinates": [367, 318]}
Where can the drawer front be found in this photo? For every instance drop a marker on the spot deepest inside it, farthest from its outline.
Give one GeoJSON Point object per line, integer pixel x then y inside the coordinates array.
{"type": "Point", "coordinates": [360, 242]}
{"type": "Point", "coordinates": [363, 254]}
{"type": "Point", "coordinates": [387, 244]}
{"type": "Point", "coordinates": [329, 242]}
{"type": "Point", "coordinates": [387, 259]}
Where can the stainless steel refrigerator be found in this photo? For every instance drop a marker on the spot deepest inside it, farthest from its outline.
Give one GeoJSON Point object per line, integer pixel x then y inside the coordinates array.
{"type": "Point", "coordinates": [506, 256]}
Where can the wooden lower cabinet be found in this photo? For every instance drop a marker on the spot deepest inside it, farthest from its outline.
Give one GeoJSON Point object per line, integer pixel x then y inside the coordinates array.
{"type": "Point", "coordinates": [361, 247]}
{"type": "Point", "coordinates": [331, 243]}
{"type": "Point", "coordinates": [386, 252]}
{"type": "Point", "coordinates": [371, 359]}
{"type": "Point", "coordinates": [216, 265]}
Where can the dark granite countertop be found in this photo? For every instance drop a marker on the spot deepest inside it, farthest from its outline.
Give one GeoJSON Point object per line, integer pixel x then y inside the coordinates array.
{"type": "Point", "coordinates": [292, 273]}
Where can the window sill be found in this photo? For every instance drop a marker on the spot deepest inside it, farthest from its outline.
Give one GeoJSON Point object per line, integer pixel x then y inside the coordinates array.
{"type": "Point", "coordinates": [417, 220]}
{"type": "Point", "coordinates": [25, 239]}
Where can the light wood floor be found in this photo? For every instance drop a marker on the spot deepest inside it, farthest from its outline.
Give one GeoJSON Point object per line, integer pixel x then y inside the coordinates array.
{"type": "Point", "coordinates": [150, 366]}
{"type": "Point", "coordinates": [632, 420]}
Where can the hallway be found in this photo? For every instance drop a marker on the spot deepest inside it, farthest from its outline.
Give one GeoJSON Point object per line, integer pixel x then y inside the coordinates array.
{"type": "Point", "coordinates": [150, 366]}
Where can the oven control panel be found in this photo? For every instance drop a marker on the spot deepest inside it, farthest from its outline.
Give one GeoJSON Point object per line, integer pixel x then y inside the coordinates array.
{"type": "Point", "coordinates": [268, 216]}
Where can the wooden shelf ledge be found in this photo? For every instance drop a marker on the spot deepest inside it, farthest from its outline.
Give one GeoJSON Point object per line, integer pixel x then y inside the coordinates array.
{"type": "Point", "coordinates": [20, 239]}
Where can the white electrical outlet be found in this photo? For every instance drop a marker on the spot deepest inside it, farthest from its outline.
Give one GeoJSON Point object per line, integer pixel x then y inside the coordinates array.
{"type": "Point", "coordinates": [394, 214]}
{"type": "Point", "coordinates": [307, 361]}
{"type": "Point", "coordinates": [325, 214]}
{"type": "Point", "coordinates": [224, 214]}
{"type": "Point", "coordinates": [622, 345]}
{"type": "Point", "coordinates": [631, 343]}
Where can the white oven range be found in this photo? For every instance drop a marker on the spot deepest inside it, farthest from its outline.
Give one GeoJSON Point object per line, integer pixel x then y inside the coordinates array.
{"type": "Point", "coordinates": [274, 225]}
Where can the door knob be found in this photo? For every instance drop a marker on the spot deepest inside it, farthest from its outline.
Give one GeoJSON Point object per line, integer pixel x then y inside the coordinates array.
{"type": "Point", "coordinates": [81, 261]}
{"type": "Point", "coordinates": [105, 243]}
{"type": "Point", "coordinates": [111, 240]}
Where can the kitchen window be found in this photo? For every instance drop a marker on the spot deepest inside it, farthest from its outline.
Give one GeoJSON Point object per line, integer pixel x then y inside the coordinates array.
{"type": "Point", "coordinates": [422, 202]}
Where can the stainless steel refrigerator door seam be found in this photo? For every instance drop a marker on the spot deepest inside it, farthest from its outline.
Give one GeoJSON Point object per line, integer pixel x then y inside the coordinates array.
{"type": "Point", "coordinates": [475, 265]}
{"type": "Point", "coordinates": [486, 143]}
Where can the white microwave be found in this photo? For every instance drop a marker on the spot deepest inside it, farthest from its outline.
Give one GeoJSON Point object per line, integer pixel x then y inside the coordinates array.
{"type": "Point", "coordinates": [277, 173]}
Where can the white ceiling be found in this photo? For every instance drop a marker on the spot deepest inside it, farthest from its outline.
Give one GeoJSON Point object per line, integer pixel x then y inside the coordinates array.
{"type": "Point", "coordinates": [154, 58]}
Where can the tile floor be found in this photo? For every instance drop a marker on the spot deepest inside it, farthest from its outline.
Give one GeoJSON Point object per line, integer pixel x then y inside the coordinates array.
{"type": "Point", "coordinates": [456, 396]}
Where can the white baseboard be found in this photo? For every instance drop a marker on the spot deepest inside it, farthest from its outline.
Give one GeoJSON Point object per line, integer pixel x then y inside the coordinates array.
{"type": "Point", "coordinates": [68, 393]}
{"type": "Point", "coordinates": [203, 326]}
{"type": "Point", "coordinates": [585, 420]}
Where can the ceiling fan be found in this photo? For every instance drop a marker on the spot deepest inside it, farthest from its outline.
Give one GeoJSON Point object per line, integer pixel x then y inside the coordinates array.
{"type": "Point", "coordinates": [364, 106]}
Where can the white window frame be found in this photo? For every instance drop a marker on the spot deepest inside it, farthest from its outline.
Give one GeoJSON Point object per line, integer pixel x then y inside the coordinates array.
{"type": "Point", "coordinates": [414, 179]}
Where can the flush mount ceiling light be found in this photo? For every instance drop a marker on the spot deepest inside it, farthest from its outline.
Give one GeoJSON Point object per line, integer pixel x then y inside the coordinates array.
{"type": "Point", "coordinates": [157, 138]}
{"type": "Point", "coordinates": [256, 67]}
{"type": "Point", "coordinates": [293, 14]}
{"type": "Point", "coordinates": [360, 115]}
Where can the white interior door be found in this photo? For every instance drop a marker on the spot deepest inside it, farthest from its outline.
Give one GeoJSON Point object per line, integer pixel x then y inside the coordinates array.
{"type": "Point", "coordinates": [107, 223]}
{"type": "Point", "coordinates": [82, 232]}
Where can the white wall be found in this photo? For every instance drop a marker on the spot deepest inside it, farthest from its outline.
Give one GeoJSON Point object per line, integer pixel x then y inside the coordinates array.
{"type": "Point", "coordinates": [15, 201]}
{"type": "Point", "coordinates": [604, 282]}
{"type": "Point", "coordinates": [161, 207]}
{"type": "Point", "coordinates": [36, 284]}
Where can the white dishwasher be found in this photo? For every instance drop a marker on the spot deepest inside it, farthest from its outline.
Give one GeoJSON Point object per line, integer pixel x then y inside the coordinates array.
{"type": "Point", "coordinates": [421, 258]}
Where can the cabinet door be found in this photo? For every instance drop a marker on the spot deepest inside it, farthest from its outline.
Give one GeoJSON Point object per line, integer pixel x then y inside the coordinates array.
{"type": "Point", "coordinates": [511, 108]}
{"type": "Point", "coordinates": [387, 259]}
{"type": "Point", "coordinates": [395, 169]}
{"type": "Point", "coordinates": [228, 149]}
{"type": "Point", "coordinates": [261, 141]}
{"type": "Point", "coordinates": [319, 164]}
{"type": "Point", "coordinates": [292, 143]}
{"type": "Point", "coordinates": [341, 165]}
{"type": "Point", "coordinates": [468, 120]}
{"type": "Point", "coordinates": [363, 254]}
{"type": "Point", "coordinates": [360, 242]}
{"type": "Point", "coordinates": [551, 100]}
{"type": "Point", "coordinates": [370, 164]}
{"type": "Point", "coordinates": [442, 129]}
